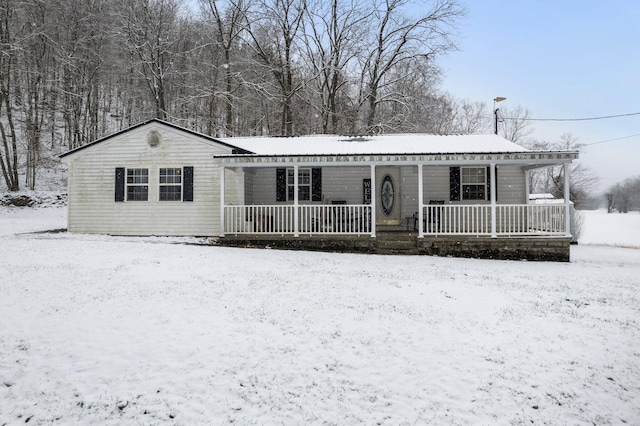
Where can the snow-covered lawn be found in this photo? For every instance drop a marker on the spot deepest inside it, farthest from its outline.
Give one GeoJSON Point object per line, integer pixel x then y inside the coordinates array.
{"type": "Point", "coordinates": [616, 229]}
{"type": "Point", "coordinates": [104, 330]}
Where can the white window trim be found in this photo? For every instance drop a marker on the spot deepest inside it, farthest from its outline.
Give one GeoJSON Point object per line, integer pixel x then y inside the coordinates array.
{"type": "Point", "coordinates": [160, 184]}
{"type": "Point", "coordinates": [300, 185]}
{"type": "Point", "coordinates": [462, 184]}
{"type": "Point", "coordinates": [127, 184]}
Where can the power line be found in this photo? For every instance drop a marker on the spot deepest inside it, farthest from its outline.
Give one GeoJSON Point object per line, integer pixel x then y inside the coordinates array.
{"type": "Point", "coordinates": [611, 140]}
{"type": "Point", "coordinates": [571, 119]}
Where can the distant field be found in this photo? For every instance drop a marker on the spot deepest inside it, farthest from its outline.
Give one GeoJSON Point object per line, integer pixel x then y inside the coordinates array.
{"type": "Point", "coordinates": [611, 229]}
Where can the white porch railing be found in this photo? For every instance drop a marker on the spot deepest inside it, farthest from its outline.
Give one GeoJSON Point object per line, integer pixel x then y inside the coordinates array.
{"type": "Point", "coordinates": [335, 219]}
{"type": "Point", "coordinates": [531, 219]}
{"type": "Point", "coordinates": [511, 219]}
{"type": "Point", "coordinates": [312, 219]}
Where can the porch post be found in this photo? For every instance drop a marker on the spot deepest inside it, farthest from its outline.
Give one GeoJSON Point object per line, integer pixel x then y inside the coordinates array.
{"type": "Point", "coordinates": [295, 202]}
{"type": "Point", "coordinates": [222, 201]}
{"type": "Point", "coordinates": [420, 203]}
{"type": "Point", "coordinates": [373, 201]}
{"type": "Point", "coordinates": [567, 201]}
{"type": "Point", "coordinates": [494, 232]}
{"type": "Point", "coordinates": [527, 187]}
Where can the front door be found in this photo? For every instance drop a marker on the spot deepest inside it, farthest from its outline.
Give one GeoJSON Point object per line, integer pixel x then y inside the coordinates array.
{"type": "Point", "coordinates": [388, 209]}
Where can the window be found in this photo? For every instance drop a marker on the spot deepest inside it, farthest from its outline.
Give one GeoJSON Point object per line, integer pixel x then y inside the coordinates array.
{"type": "Point", "coordinates": [171, 184]}
{"type": "Point", "coordinates": [304, 184]}
{"type": "Point", "coordinates": [137, 184]}
{"type": "Point", "coordinates": [474, 183]}
{"type": "Point", "coordinates": [309, 184]}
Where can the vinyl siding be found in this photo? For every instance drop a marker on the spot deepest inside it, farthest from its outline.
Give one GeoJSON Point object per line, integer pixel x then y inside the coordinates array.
{"type": "Point", "coordinates": [338, 183]}
{"type": "Point", "coordinates": [510, 184]}
{"type": "Point", "coordinates": [345, 183]}
{"type": "Point", "coordinates": [92, 208]}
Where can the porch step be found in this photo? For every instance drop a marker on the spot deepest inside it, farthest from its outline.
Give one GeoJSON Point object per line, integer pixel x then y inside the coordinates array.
{"type": "Point", "coordinates": [396, 243]}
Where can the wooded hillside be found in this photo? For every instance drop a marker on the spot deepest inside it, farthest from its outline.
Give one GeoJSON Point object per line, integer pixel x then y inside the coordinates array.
{"type": "Point", "coordinates": [72, 71]}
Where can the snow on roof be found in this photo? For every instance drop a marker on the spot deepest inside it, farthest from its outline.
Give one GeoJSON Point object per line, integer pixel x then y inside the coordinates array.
{"type": "Point", "coordinates": [409, 143]}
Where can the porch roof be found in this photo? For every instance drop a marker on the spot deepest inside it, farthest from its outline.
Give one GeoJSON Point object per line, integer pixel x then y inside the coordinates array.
{"type": "Point", "coordinates": [399, 149]}
{"type": "Point", "coordinates": [408, 143]}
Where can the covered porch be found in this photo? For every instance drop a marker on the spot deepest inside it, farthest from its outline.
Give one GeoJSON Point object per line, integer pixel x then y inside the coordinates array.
{"type": "Point", "coordinates": [365, 194]}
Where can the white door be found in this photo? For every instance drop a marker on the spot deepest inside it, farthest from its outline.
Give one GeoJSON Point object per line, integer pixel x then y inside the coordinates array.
{"type": "Point", "coordinates": [388, 209]}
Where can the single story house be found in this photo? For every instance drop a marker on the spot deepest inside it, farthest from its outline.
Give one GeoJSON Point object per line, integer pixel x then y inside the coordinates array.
{"type": "Point", "coordinates": [461, 195]}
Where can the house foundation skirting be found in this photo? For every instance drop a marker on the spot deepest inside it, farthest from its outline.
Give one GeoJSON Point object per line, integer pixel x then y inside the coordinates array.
{"type": "Point", "coordinates": [407, 243]}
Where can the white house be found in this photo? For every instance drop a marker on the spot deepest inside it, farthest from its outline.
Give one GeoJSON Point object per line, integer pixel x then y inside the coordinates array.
{"type": "Point", "coordinates": [463, 195]}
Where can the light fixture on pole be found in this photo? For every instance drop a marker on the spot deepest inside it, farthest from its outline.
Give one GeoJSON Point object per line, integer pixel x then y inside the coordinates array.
{"type": "Point", "coordinates": [495, 111]}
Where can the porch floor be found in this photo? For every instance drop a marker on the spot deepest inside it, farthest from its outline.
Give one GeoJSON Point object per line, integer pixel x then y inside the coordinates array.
{"type": "Point", "coordinates": [543, 248]}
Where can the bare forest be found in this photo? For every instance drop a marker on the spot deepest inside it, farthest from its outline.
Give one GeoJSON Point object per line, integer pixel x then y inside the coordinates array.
{"type": "Point", "coordinates": [72, 71]}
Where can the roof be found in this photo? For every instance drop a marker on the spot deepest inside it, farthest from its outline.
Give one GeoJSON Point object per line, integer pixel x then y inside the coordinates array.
{"type": "Point", "coordinates": [410, 143]}
{"type": "Point", "coordinates": [155, 120]}
{"type": "Point", "coordinates": [408, 148]}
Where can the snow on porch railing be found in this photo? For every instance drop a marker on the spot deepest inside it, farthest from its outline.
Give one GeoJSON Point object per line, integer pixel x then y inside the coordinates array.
{"type": "Point", "coordinates": [511, 219]}
{"type": "Point", "coordinates": [312, 219]}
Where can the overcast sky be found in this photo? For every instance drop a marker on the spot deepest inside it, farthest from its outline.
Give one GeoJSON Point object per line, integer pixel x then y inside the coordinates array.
{"type": "Point", "coordinates": [558, 59]}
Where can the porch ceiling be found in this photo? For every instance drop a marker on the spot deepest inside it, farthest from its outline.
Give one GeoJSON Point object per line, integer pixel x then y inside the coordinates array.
{"type": "Point", "coordinates": [530, 159]}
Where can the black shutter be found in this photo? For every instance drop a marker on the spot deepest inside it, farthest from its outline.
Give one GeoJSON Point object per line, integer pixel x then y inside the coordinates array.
{"type": "Point", "coordinates": [316, 184]}
{"type": "Point", "coordinates": [119, 184]}
{"type": "Point", "coordinates": [489, 183]}
{"type": "Point", "coordinates": [281, 184]}
{"type": "Point", "coordinates": [454, 183]}
{"type": "Point", "coordinates": [187, 183]}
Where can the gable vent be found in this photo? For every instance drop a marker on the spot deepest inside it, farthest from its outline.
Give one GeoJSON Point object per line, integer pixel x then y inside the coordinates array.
{"type": "Point", "coordinates": [153, 138]}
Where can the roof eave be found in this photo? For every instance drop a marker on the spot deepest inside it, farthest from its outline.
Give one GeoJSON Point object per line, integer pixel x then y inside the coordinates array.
{"type": "Point", "coordinates": [538, 158]}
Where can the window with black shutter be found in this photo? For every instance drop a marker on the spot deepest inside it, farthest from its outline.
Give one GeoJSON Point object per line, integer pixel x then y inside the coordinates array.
{"type": "Point", "coordinates": [309, 184]}
{"type": "Point", "coordinates": [470, 183]}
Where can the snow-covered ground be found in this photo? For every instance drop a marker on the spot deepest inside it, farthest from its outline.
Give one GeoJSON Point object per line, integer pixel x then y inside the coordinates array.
{"type": "Point", "coordinates": [615, 229]}
{"type": "Point", "coordinates": [105, 330]}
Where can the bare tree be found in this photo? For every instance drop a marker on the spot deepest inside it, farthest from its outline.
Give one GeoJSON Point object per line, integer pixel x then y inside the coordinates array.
{"type": "Point", "coordinates": [9, 154]}
{"type": "Point", "coordinates": [274, 36]}
{"type": "Point", "coordinates": [33, 56]}
{"type": "Point", "coordinates": [516, 124]}
{"type": "Point", "coordinates": [151, 35]}
{"type": "Point", "coordinates": [624, 196]}
{"type": "Point", "coordinates": [332, 29]}
{"type": "Point", "coordinates": [398, 38]}
{"type": "Point", "coordinates": [582, 179]}
{"type": "Point", "coordinates": [228, 25]}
